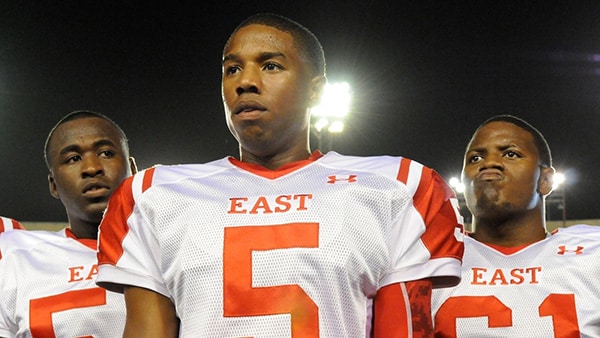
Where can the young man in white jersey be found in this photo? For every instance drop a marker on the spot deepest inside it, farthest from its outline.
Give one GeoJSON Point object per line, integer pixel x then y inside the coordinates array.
{"type": "Point", "coordinates": [47, 286]}
{"type": "Point", "coordinates": [7, 224]}
{"type": "Point", "coordinates": [282, 242]}
{"type": "Point", "coordinates": [518, 279]}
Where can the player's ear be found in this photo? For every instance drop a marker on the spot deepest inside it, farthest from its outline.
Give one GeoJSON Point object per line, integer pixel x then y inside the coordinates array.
{"type": "Point", "coordinates": [546, 181]}
{"type": "Point", "coordinates": [52, 186]}
{"type": "Point", "coordinates": [317, 84]}
{"type": "Point", "coordinates": [132, 165]}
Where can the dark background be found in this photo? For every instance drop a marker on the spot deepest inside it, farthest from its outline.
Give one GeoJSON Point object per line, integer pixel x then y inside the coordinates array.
{"type": "Point", "coordinates": [424, 75]}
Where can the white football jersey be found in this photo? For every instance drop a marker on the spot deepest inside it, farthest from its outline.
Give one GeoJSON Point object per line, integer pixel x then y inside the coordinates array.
{"type": "Point", "coordinates": [47, 288]}
{"type": "Point", "coordinates": [550, 288]}
{"type": "Point", "coordinates": [7, 224]}
{"type": "Point", "coordinates": [245, 251]}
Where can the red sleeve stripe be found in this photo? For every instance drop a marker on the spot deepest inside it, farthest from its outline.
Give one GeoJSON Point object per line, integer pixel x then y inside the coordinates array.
{"type": "Point", "coordinates": [113, 227]}
{"type": "Point", "coordinates": [147, 181]}
{"type": "Point", "coordinates": [9, 224]}
{"type": "Point", "coordinates": [433, 202]}
{"type": "Point", "coordinates": [17, 225]}
{"type": "Point", "coordinates": [410, 173]}
{"type": "Point", "coordinates": [404, 170]}
{"type": "Point", "coordinates": [432, 199]}
{"type": "Point", "coordinates": [425, 190]}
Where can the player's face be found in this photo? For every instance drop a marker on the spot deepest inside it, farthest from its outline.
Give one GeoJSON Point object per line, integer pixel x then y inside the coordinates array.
{"type": "Point", "coordinates": [88, 160]}
{"type": "Point", "coordinates": [501, 171]}
{"type": "Point", "coordinates": [267, 90]}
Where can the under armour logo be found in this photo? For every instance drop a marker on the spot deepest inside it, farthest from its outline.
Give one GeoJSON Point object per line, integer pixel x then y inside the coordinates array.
{"type": "Point", "coordinates": [575, 250]}
{"type": "Point", "coordinates": [335, 178]}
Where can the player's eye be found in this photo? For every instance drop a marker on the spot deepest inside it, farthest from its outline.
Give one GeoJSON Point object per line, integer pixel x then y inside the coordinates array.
{"type": "Point", "coordinates": [511, 154]}
{"type": "Point", "coordinates": [475, 158]}
{"type": "Point", "coordinates": [231, 70]}
{"type": "Point", "coordinates": [107, 154]}
{"type": "Point", "coordinates": [73, 158]}
{"type": "Point", "coordinates": [270, 66]}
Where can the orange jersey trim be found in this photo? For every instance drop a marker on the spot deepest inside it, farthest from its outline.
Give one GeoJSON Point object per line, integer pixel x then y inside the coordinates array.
{"type": "Point", "coordinates": [89, 242]}
{"type": "Point", "coordinates": [279, 172]}
{"type": "Point", "coordinates": [110, 241]}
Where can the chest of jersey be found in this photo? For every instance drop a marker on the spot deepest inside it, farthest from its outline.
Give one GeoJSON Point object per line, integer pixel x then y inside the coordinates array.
{"type": "Point", "coordinates": [51, 291]}
{"type": "Point", "coordinates": [276, 244]}
{"type": "Point", "coordinates": [546, 290]}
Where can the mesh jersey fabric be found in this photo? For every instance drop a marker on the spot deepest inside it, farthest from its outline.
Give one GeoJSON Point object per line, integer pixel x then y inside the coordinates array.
{"type": "Point", "coordinates": [7, 224]}
{"type": "Point", "coordinates": [47, 288]}
{"type": "Point", "coordinates": [242, 251]}
{"type": "Point", "coordinates": [548, 289]}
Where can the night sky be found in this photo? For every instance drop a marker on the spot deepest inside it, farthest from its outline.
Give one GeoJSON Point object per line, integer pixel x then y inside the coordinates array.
{"type": "Point", "coordinates": [424, 75]}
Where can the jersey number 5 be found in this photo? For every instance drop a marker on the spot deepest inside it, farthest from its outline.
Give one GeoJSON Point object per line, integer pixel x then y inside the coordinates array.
{"type": "Point", "coordinates": [560, 306]}
{"type": "Point", "coordinates": [41, 309]}
{"type": "Point", "coordinates": [240, 299]}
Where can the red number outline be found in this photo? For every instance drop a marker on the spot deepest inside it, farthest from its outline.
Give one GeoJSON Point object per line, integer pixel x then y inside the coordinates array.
{"type": "Point", "coordinates": [241, 299]}
{"type": "Point", "coordinates": [41, 309]}
{"type": "Point", "coordinates": [560, 306]}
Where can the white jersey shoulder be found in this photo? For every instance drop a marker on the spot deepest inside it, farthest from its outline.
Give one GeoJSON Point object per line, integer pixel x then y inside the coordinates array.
{"type": "Point", "coordinates": [580, 230]}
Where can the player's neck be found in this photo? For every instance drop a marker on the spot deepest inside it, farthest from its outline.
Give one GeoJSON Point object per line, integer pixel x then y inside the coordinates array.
{"type": "Point", "coordinates": [512, 231]}
{"type": "Point", "coordinates": [82, 229]}
{"type": "Point", "coordinates": [276, 160]}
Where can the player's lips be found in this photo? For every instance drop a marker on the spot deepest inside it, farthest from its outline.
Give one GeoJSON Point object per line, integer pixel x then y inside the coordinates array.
{"type": "Point", "coordinates": [248, 107]}
{"type": "Point", "coordinates": [489, 175]}
{"type": "Point", "coordinates": [96, 189]}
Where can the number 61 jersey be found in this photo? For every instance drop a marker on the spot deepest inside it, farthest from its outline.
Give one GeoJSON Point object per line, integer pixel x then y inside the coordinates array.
{"type": "Point", "coordinates": [550, 288]}
{"type": "Point", "coordinates": [245, 251]}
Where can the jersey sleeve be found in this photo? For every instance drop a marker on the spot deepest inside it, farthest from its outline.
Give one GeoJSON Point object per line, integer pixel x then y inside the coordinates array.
{"type": "Point", "coordinates": [433, 222]}
{"type": "Point", "coordinates": [4, 315]}
{"type": "Point", "coordinates": [127, 253]}
{"type": "Point", "coordinates": [7, 293]}
{"type": "Point", "coordinates": [7, 224]}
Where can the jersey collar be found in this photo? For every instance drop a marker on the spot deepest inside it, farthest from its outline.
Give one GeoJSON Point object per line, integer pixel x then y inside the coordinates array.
{"type": "Point", "coordinates": [90, 243]}
{"type": "Point", "coordinates": [279, 172]}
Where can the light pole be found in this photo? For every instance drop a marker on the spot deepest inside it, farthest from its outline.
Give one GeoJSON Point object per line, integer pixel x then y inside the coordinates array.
{"type": "Point", "coordinates": [328, 117]}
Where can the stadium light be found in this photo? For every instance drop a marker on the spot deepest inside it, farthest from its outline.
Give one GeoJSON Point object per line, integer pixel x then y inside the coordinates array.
{"type": "Point", "coordinates": [559, 179]}
{"type": "Point", "coordinates": [558, 197]}
{"type": "Point", "coordinates": [328, 117]}
{"type": "Point", "coordinates": [457, 185]}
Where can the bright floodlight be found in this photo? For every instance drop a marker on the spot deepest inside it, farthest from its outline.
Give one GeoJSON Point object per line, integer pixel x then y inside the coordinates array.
{"type": "Point", "coordinates": [321, 123]}
{"type": "Point", "coordinates": [559, 178]}
{"type": "Point", "coordinates": [334, 106]}
{"type": "Point", "coordinates": [458, 186]}
{"type": "Point", "coordinates": [336, 127]}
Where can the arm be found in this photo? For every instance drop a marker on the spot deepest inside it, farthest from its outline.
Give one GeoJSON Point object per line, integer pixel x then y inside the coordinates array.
{"type": "Point", "coordinates": [437, 206]}
{"type": "Point", "coordinates": [149, 314]}
{"type": "Point", "coordinates": [403, 310]}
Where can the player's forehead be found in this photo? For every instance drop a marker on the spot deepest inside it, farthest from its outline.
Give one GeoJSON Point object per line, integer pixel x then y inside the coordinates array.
{"type": "Point", "coordinates": [259, 38]}
{"type": "Point", "coordinates": [501, 134]}
{"type": "Point", "coordinates": [84, 130]}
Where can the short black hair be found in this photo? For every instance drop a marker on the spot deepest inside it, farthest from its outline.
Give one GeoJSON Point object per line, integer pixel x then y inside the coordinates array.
{"type": "Point", "coordinates": [79, 114]}
{"type": "Point", "coordinates": [538, 138]}
{"type": "Point", "coordinates": [306, 42]}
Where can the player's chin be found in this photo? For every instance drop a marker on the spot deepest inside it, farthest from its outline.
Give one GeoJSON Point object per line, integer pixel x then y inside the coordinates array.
{"type": "Point", "coordinates": [95, 209]}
